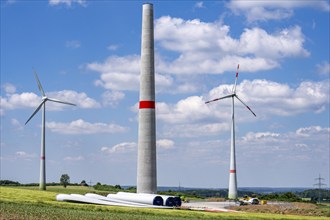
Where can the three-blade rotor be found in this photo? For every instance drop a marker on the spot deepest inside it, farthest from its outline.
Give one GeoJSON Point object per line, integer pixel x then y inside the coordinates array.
{"type": "Point", "coordinates": [44, 98]}
{"type": "Point", "coordinates": [233, 95]}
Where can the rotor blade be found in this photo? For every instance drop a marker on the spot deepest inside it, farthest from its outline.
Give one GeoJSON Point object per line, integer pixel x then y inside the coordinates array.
{"type": "Point", "coordinates": [246, 105]}
{"type": "Point", "coordinates": [224, 97]}
{"type": "Point", "coordinates": [59, 101]}
{"type": "Point", "coordinates": [35, 112]}
{"type": "Point", "coordinates": [234, 88]}
{"type": "Point", "coordinates": [39, 84]}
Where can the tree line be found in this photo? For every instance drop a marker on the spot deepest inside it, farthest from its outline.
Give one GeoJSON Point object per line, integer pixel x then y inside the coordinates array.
{"type": "Point", "coordinates": [314, 194]}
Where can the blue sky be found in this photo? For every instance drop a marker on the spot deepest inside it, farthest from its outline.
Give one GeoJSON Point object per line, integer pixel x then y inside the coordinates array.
{"type": "Point", "coordinates": [88, 53]}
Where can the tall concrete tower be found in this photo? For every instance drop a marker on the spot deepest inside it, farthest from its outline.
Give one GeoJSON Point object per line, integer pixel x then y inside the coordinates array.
{"type": "Point", "coordinates": [147, 167]}
{"type": "Point", "coordinates": [232, 190]}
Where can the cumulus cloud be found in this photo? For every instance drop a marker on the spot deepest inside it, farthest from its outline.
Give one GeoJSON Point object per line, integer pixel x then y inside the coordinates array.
{"type": "Point", "coordinates": [74, 44]}
{"type": "Point", "coordinates": [123, 74]}
{"type": "Point", "coordinates": [199, 5]}
{"type": "Point", "coordinates": [300, 145]}
{"type": "Point", "coordinates": [209, 48]}
{"type": "Point", "coordinates": [201, 48]}
{"type": "Point", "coordinates": [72, 159]}
{"type": "Point", "coordinates": [323, 68]}
{"type": "Point", "coordinates": [272, 10]}
{"type": "Point", "coordinates": [120, 148]}
{"type": "Point", "coordinates": [195, 130]}
{"type": "Point", "coordinates": [113, 47]}
{"type": "Point", "coordinates": [16, 124]}
{"type": "Point", "coordinates": [25, 156]}
{"type": "Point", "coordinates": [311, 131]}
{"type": "Point", "coordinates": [112, 98]}
{"type": "Point", "coordinates": [278, 99]}
{"type": "Point", "coordinates": [127, 147]}
{"type": "Point", "coordinates": [9, 88]}
{"type": "Point", "coordinates": [82, 127]}
{"type": "Point", "coordinates": [263, 136]}
{"type": "Point", "coordinates": [31, 100]}
{"type": "Point", "coordinates": [191, 117]}
{"type": "Point", "coordinates": [23, 100]}
{"type": "Point", "coordinates": [79, 98]}
{"type": "Point", "coordinates": [191, 109]}
{"type": "Point", "coordinates": [285, 43]}
{"type": "Point", "coordinates": [118, 73]}
{"type": "Point", "coordinates": [68, 3]}
{"type": "Point", "coordinates": [165, 144]}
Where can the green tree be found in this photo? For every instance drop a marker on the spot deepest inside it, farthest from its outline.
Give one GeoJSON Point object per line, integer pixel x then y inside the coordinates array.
{"type": "Point", "coordinates": [83, 183]}
{"type": "Point", "coordinates": [65, 180]}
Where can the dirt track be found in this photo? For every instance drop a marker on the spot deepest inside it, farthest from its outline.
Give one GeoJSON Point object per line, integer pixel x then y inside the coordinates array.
{"type": "Point", "coordinates": [294, 208]}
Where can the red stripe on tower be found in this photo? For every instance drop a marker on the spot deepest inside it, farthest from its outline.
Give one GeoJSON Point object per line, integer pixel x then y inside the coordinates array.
{"type": "Point", "coordinates": [42, 158]}
{"type": "Point", "coordinates": [232, 171]}
{"type": "Point", "coordinates": [147, 104]}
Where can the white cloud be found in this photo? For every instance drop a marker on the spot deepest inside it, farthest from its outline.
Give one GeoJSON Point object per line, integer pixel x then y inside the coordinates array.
{"type": "Point", "coordinates": [25, 156]}
{"type": "Point", "coordinates": [312, 131]}
{"type": "Point", "coordinates": [11, 1]}
{"type": "Point", "coordinates": [127, 147]}
{"type": "Point", "coordinates": [323, 68]}
{"type": "Point", "coordinates": [165, 144]}
{"type": "Point", "coordinates": [263, 136]}
{"type": "Point", "coordinates": [123, 74]}
{"type": "Point", "coordinates": [118, 73]}
{"type": "Point", "coordinates": [82, 127]}
{"type": "Point", "coordinates": [113, 47]}
{"type": "Point", "coordinates": [285, 43]}
{"type": "Point", "coordinates": [80, 99]}
{"type": "Point", "coordinates": [120, 148]}
{"type": "Point", "coordinates": [199, 5]}
{"type": "Point", "coordinates": [195, 130]}
{"type": "Point", "coordinates": [191, 109]}
{"type": "Point", "coordinates": [191, 117]}
{"type": "Point", "coordinates": [208, 47]}
{"type": "Point", "coordinates": [23, 100]}
{"type": "Point", "coordinates": [30, 100]}
{"type": "Point", "coordinates": [202, 48]}
{"type": "Point", "coordinates": [74, 44]}
{"type": "Point", "coordinates": [278, 99]}
{"type": "Point", "coordinates": [9, 88]}
{"type": "Point", "coordinates": [112, 98]}
{"type": "Point", "coordinates": [304, 144]}
{"type": "Point", "coordinates": [68, 3]}
{"type": "Point", "coordinates": [273, 10]}
{"type": "Point", "coordinates": [72, 159]}
{"type": "Point", "coordinates": [16, 124]}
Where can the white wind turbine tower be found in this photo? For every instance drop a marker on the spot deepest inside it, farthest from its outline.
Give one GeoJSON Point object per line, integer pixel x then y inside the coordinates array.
{"type": "Point", "coordinates": [232, 192]}
{"type": "Point", "coordinates": [42, 181]}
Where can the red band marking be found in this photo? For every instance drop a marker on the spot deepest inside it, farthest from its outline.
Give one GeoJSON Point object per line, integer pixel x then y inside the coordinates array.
{"type": "Point", "coordinates": [236, 74]}
{"type": "Point", "coordinates": [147, 104]}
{"type": "Point", "coordinates": [42, 158]}
{"type": "Point", "coordinates": [232, 171]}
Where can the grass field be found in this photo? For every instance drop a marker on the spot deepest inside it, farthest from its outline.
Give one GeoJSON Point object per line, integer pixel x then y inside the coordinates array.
{"type": "Point", "coordinates": [30, 203]}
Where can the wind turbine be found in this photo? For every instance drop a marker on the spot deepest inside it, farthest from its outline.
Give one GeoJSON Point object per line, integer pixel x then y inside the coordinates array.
{"type": "Point", "coordinates": [232, 192]}
{"type": "Point", "coordinates": [42, 181]}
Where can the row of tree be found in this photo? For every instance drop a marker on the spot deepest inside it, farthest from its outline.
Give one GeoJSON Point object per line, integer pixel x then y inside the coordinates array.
{"type": "Point", "coordinates": [313, 194]}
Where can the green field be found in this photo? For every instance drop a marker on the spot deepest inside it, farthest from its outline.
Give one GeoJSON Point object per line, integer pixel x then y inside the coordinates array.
{"type": "Point", "coordinates": [30, 203]}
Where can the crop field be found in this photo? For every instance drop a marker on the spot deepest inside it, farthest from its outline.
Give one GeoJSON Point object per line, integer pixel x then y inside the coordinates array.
{"type": "Point", "coordinates": [30, 203]}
